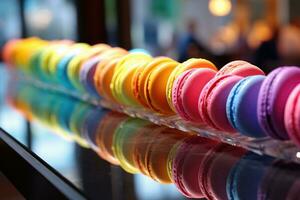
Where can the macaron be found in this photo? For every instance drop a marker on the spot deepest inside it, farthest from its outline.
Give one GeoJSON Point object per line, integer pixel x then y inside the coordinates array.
{"type": "Point", "coordinates": [212, 101]}
{"type": "Point", "coordinates": [241, 106]}
{"type": "Point", "coordinates": [156, 85]}
{"type": "Point", "coordinates": [189, 64]}
{"type": "Point", "coordinates": [8, 51]}
{"type": "Point", "coordinates": [246, 177]}
{"type": "Point", "coordinates": [140, 78]}
{"type": "Point", "coordinates": [88, 69]}
{"type": "Point", "coordinates": [103, 77]}
{"type": "Point", "coordinates": [62, 65]}
{"type": "Point", "coordinates": [121, 83]}
{"type": "Point", "coordinates": [186, 91]}
{"type": "Point", "coordinates": [47, 55]}
{"type": "Point", "coordinates": [74, 66]}
{"type": "Point", "coordinates": [272, 99]}
{"type": "Point", "coordinates": [292, 115]}
{"type": "Point", "coordinates": [240, 68]}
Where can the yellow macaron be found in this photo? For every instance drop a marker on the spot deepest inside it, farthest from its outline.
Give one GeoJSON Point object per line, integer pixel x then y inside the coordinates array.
{"type": "Point", "coordinates": [121, 86]}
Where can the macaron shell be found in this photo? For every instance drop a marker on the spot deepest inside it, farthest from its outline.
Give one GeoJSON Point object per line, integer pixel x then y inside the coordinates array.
{"type": "Point", "coordinates": [142, 75]}
{"type": "Point", "coordinates": [272, 100]}
{"type": "Point", "coordinates": [240, 68]}
{"type": "Point", "coordinates": [191, 92]}
{"type": "Point", "coordinates": [241, 106]}
{"type": "Point", "coordinates": [189, 64]}
{"type": "Point", "coordinates": [292, 115]}
{"type": "Point", "coordinates": [177, 93]}
{"type": "Point", "coordinates": [156, 88]}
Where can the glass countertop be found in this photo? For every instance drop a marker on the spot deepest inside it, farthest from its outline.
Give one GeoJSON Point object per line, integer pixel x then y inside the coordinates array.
{"type": "Point", "coordinates": [108, 155]}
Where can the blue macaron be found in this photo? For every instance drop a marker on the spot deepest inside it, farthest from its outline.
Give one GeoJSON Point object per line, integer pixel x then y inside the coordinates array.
{"type": "Point", "coordinates": [241, 106]}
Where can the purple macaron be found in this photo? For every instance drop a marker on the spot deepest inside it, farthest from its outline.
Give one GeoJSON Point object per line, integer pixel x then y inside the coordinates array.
{"type": "Point", "coordinates": [87, 75]}
{"type": "Point", "coordinates": [272, 99]}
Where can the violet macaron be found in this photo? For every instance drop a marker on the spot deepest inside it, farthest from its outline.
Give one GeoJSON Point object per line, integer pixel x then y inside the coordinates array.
{"type": "Point", "coordinates": [272, 100]}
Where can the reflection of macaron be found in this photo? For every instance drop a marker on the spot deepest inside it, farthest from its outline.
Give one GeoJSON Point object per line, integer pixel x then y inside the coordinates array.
{"type": "Point", "coordinates": [279, 180]}
{"type": "Point", "coordinates": [272, 99]}
{"type": "Point", "coordinates": [90, 125]}
{"type": "Point", "coordinates": [142, 143]}
{"type": "Point", "coordinates": [212, 101]}
{"type": "Point", "coordinates": [157, 154]}
{"type": "Point", "coordinates": [121, 83]}
{"type": "Point", "coordinates": [156, 85]}
{"type": "Point", "coordinates": [122, 143]}
{"type": "Point", "coordinates": [241, 106]}
{"type": "Point", "coordinates": [140, 78]}
{"type": "Point", "coordinates": [240, 68]}
{"type": "Point", "coordinates": [186, 164]}
{"type": "Point", "coordinates": [186, 91]}
{"type": "Point", "coordinates": [215, 169]}
{"type": "Point", "coordinates": [189, 64]}
{"type": "Point", "coordinates": [105, 133]}
{"type": "Point", "coordinates": [292, 115]}
{"type": "Point", "coordinates": [246, 176]}
{"type": "Point", "coordinates": [77, 120]}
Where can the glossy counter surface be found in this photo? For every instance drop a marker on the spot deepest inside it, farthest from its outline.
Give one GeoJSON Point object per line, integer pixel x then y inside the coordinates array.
{"type": "Point", "coordinates": [108, 155]}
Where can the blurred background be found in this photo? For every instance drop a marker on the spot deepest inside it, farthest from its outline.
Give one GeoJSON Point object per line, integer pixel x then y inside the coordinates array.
{"type": "Point", "coordinates": [265, 32]}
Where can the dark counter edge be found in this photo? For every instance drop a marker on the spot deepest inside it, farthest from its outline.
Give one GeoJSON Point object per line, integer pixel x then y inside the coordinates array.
{"type": "Point", "coordinates": [32, 176]}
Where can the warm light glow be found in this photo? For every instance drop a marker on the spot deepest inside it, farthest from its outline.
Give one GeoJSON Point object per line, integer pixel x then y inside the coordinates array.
{"type": "Point", "coordinates": [219, 7]}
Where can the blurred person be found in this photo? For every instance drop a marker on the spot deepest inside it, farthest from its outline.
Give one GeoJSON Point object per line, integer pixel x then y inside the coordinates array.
{"type": "Point", "coordinates": [266, 55]}
{"type": "Point", "coordinates": [289, 44]}
{"type": "Point", "coordinates": [189, 46]}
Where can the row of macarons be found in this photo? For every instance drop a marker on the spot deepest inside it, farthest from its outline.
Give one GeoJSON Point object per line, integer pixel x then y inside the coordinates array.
{"type": "Point", "coordinates": [199, 167]}
{"type": "Point", "coordinates": [238, 97]}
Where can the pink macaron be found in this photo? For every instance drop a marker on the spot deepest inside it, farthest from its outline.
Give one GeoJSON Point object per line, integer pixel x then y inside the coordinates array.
{"type": "Point", "coordinates": [240, 68]}
{"type": "Point", "coordinates": [212, 101]}
{"type": "Point", "coordinates": [186, 91]}
{"type": "Point", "coordinates": [292, 115]}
